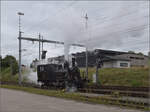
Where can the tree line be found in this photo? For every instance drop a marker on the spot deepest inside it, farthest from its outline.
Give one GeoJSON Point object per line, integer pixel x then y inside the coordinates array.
{"type": "Point", "coordinates": [9, 61]}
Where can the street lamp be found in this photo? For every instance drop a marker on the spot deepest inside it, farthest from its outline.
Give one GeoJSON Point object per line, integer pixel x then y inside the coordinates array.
{"type": "Point", "coordinates": [20, 14]}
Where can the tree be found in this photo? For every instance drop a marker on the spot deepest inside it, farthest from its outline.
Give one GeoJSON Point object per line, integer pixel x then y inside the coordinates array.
{"type": "Point", "coordinates": [132, 52]}
{"type": "Point", "coordinates": [0, 57]}
{"type": "Point", "coordinates": [140, 53]}
{"type": "Point", "coordinates": [10, 61]}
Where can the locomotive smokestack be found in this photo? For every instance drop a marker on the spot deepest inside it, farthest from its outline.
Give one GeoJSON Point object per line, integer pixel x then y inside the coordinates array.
{"type": "Point", "coordinates": [73, 62]}
{"type": "Point", "coordinates": [44, 54]}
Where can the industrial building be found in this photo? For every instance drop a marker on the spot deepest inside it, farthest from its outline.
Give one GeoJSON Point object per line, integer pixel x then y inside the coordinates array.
{"type": "Point", "coordinates": [116, 62]}
{"type": "Point", "coordinates": [111, 59]}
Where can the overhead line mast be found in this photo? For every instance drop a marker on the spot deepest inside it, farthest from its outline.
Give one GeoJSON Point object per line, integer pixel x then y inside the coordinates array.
{"type": "Point", "coordinates": [86, 27]}
{"type": "Point", "coordinates": [20, 32]}
{"type": "Point", "coordinates": [49, 41]}
{"type": "Point", "coordinates": [39, 47]}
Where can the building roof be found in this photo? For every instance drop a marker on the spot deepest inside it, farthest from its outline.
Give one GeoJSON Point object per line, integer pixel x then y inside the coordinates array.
{"type": "Point", "coordinates": [115, 58]}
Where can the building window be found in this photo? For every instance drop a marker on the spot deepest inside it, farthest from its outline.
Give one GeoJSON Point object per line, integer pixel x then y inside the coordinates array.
{"type": "Point", "coordinates": [124, 64]}
{"type": "Point", "coordinates": [137, 58]}
{"type": "Point", "coordinates": [132, 57]}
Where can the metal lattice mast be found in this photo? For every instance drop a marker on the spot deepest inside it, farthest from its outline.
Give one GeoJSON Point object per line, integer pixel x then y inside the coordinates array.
{"type": "Point", "coordinates": [39, 47]}
{"type": "Point", "coordinates": [86, 26]}
{"type": "Point", "coordinates": [20, 77]}
{"type": "Point", "coordinates": [42, 43]}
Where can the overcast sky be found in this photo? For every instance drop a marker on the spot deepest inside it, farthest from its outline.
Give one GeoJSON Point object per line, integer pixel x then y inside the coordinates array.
{"type": "Point", "coordinates": [112, 25]}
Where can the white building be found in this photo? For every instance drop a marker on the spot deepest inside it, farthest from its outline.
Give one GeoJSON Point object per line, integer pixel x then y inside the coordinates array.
{"type": "Point", "coordinates": [116, 62]}
{"type": "Point", "coordinates": [136, 60]}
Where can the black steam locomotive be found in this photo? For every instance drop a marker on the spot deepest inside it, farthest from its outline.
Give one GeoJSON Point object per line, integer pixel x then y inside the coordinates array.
{"type": "Point", "coordinates": [58, 75]}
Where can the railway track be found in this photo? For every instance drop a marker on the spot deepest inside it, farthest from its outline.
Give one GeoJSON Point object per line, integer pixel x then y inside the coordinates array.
{"type": "Point", "coordinates": [142, 92]}
{"type": "Point", "coordinates": [124, 88]}
{"type": "Point", "coordinates": [119, 90]}
{"type": "Point", "coordinates": [122, 101]}
{"type": "Point", "coordinates": [116, 92]}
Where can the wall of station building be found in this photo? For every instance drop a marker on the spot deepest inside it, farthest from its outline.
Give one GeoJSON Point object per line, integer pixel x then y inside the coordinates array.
{"type": "Point", "coordinates": [137, 60]}
{"type": "Point", "coordinates": [116, 64]}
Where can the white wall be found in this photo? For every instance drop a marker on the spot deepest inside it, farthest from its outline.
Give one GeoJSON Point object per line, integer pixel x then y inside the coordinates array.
{"type": "Point", "coordinates": [115, 64]}
{"type": "Point", "coordinates": [118, 64]}
{"type": "Point", "coordinates": [110, 64]}
{"type": "Point", "coordinates": [135, 59]}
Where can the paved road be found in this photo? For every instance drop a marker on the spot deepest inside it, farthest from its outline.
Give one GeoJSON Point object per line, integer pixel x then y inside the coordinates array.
{"type": "Point", "coordinates": [18, 101]}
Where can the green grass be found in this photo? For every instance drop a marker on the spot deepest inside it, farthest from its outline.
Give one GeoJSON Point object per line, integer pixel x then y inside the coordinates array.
{"type": "Point", "coordinates": [136, 77]}
{"type": "Point", "coordinates": [72, 96]}
{"type": "Point", "coordinates": [6, 76]}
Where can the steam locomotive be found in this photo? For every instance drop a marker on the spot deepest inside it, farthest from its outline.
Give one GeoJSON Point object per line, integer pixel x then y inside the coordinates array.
{"type": "Point", "coordinates": [58, 75]}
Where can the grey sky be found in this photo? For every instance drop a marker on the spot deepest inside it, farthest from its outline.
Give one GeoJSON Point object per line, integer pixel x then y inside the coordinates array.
{"type": "Point", "coordinates": [114, 25]}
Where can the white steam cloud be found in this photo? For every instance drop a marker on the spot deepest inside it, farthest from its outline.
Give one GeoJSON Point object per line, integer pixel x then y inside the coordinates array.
{"type": "Point", "coordinates": [126, 19]}
{"type": "Point", "coordinates": [116, 25]}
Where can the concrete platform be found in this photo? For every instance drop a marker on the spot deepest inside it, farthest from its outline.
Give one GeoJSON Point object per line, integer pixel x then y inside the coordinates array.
{"type": "Point", "coordinates": [18, 101]}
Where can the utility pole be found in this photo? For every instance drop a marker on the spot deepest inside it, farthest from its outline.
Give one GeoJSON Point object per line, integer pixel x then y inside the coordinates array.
{"type": "Point", "coordinates": [97, 66]}
{"type": "Point", "coordinates": [42, 43]}
{"type": "Point", "coordinates": [20, 77]}
{"type": "Point", "coordinates": [39, 47]}
{"type": "Point", "coordinates": [11, 66]}
{"type": "Point", "coordinates": [86, 26]}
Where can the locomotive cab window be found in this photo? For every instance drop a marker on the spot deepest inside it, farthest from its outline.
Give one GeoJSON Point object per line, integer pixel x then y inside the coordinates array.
{"type": "Point", "coordinates": [59, 67]}
{"type": "Point", "coordinates": [41, 68]}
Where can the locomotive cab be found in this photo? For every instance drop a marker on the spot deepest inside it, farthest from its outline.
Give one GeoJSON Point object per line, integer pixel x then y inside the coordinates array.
{"type": "Point", "coordinates": [50, 74]}
{"type": "Point", "coordinates": [60, 76]}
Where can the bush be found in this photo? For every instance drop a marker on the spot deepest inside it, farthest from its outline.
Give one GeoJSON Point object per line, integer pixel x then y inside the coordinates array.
{"type": "Point", "coordinates": [135, 83]}
{"type": "Point", "coordinates": [7, 77]}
